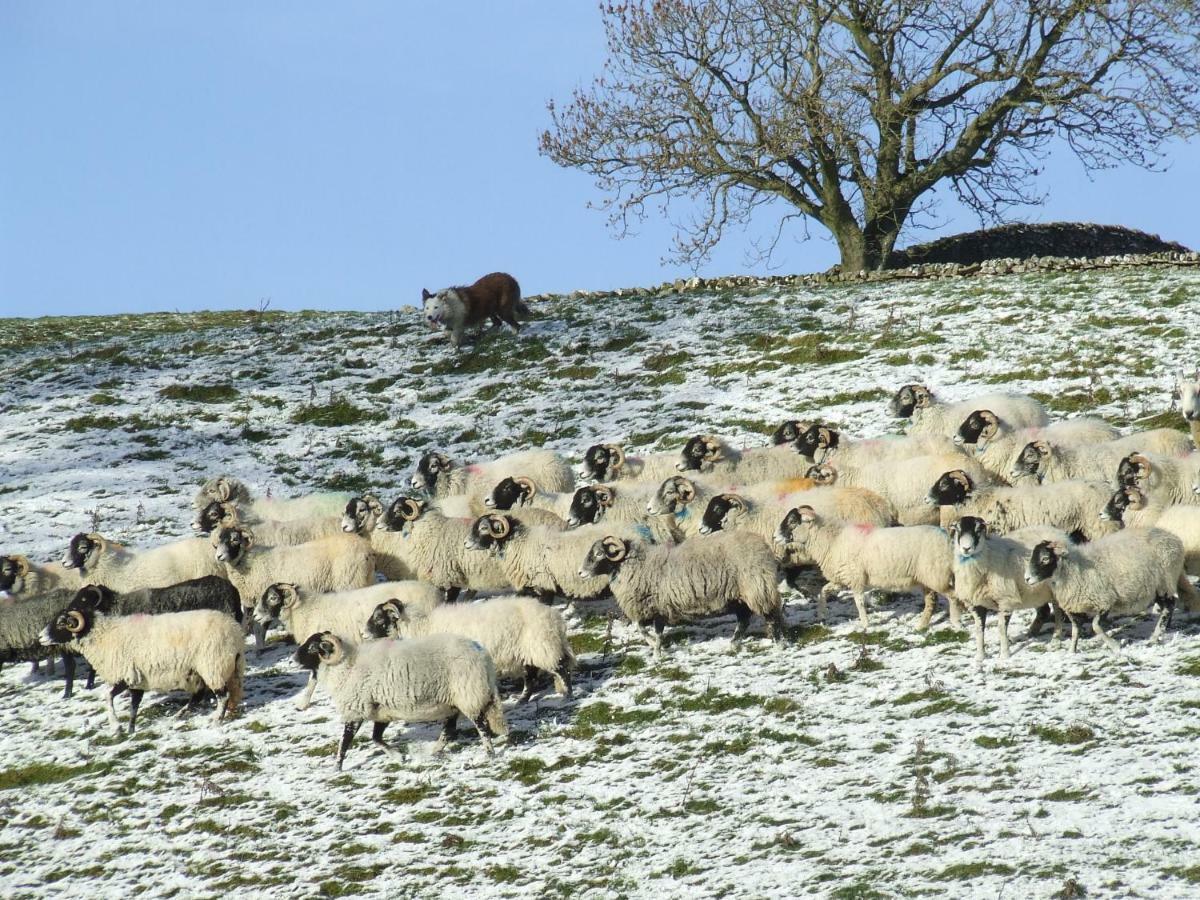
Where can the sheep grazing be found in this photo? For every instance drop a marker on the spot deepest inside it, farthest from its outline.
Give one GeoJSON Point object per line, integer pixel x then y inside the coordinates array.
{"type": "Point", "coordinates": [101, 561]}
{"type": "Point", "coordinates": [523, 637]}
{"type": "Point", "coordinates": [862, 558]}
{"type": "Point", "coordinates": [209, 592]}
{"type": "Point", "coordinates": [995, 444]}
{"type": "Point", "coordinates": [710, 454]}
{"type": "Point", "coordinates": [226, 489]}
{"type": "Point", "coordinates": [989, 574]}
{"type": "Point", "coordinates": [608, 463]}
{"type": "Point", "coordinates": [932, 416]}
{"type": "Point", "coordinates": [621, 504]}
{"type": "Point", "coordinates": [21, 623]}
{"type": "Point", "coordinates": [271, 532]}
{"type": "Point", "coordinates": [1071, 506]}
{"type": "Point", "coordinates": [424, 679]}
{"type": "Point", "coordinates": [661, 585]}
{"type": "Point", "coordinates": [196, 651]}
{"type": "Point", "coordinates": [904, 483]}
{"type": "Point", "coordinates": [435, 549]}
{"type": "Point", "coordinates": [439, 476]}
{"type": "Point", "coordinates": [337, 563]}
{"type": "Point", "coordinates": [1166, 480]}
{"type": "Point", "coordinates": [1048, 462]}
{"type": "Point", "coordinates": [1131, 508]}
{"type": "Point", "coordinates": [364, 517]}
{"type": "Point", "coordinates": [1123, 573]}
{"type": "Point", "coordinates": [1189, 403]}
{"type": "Point", "coordinates": [20, 577]}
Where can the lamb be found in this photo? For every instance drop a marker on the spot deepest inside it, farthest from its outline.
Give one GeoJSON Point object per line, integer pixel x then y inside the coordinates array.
{"type": "Point", "coordinates": [439, 476]}
{"type": "Point", "coordinates": [995, 444]}
{"type": "Point", "coordinates": [621, 504]}
{"type": "Point", "coordinates": [1071, 506]}
{"type": "Point", "coordinates": [344, 613]}
{"type": "Point", "coordinates": [271, 532]}
{"type": "Point", "coordinates": [1130, 507]}
{"type": "Point", "coordinates": [608, 463]}
{"type": "Point", "coordinates": [21, 623]}
{"type": "Point", "coordinates": [418, 680]}
{"type": "Point", "coordinates": [101, 561]}
{"type": "Point", "coordinates": [1166, 480]}
{"type": "Point", "coordinates": [1123, 573]}
{"type": "Point", "coordinates": [21, 577]}
{"type": "Point", "coordinates": [730, 572]}
{"type": "Point", "coordinates": [334, 563]}
{"type": "Point", "coordinates": [862, 558]}
{"type": "Point", "coordinates": [196, 651]}
{"type": "Point", "coordinates": [209, 592]}
{"type": "Point", "coordinates": [227, 489]}
{"type": "Point", "coordinates": [932, 416]}
{"type": "Point", "coordinates": [1048, 461]}
{"type": "Point", "coordinates": [710, 454]}
{"type": "Point", "coordinates": [522, 635]}
{"type": "Point", "coordinates": [364, 517]}
{"type": "Point", "coordinates": [904, 483]}
{"type": "Point", "coordinates": [434, 549]}
{"type": "Point", "coordinates": [989, 574]}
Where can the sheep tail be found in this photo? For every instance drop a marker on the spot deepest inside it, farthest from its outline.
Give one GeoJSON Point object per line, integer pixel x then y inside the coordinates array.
{"type": "Point", "coordinates": [235, 687]}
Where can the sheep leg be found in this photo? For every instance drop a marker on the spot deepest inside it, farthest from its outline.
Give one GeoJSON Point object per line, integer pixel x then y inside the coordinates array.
{"type": "Point", "coordinates": [449, 733]}
{"type": "Point", "coordinates": [135, 700]}
{"type": "Point", "coordinates": [305, 699]}
{"type": "Point", "coordinates": [860, 602]}
{"type": "Point", "coordinates": [979, 617]}
{"type": "Point", "coordinates": [222, 696]}
{"type": "Point", "coordinates": [69, 674]}
{"type": "Point", "coordinates": [531, 673]}
{"type": "Point", "coordinates": [377, 730]}
{"type": "Point", "coordinates": [659, 625]}
{"type": "Point", "coordinates": [193, 702]}
{"type": "Point", "coordinates": [827, 591]}
{"type": "Point", "coordinates": [777, 627]}
{"type": "Point", "coordinates": [1058, 621]}
{"type": "Point", "coordinates": [1002, 618]}
{"type": "Point", "coordinates": [955, 611]}
{"type": "Point", "coordinates": [348, 733]}
{"type": "Point", "coordinates": [927, 611]}
{"type": "Point", "coordinates": [562, 677]}
{"type": "Point", "coordinates": [1165, 608]}
{"type": "Point", "coordinates": [1108, 642]}
{"type": "Point", "coordinates": [1040, 618]}
{"type": "Point", "coordinates": [485, 731]}
{"type": "Point", "coordinates": [742, 612]}
{"type": "Point", "coordinates": [1075, 631]}
{"type": "Point", "coordinates": [91, 679]}
{"type": "Point", "coordinates": [260, 637]}
{"type": "Point", "coordinates": [113, 693]}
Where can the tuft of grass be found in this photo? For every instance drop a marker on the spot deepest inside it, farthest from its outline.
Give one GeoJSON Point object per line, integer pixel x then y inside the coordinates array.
{"type": "Point", "coordinates": [200, 393]}
{"type": "Point", "coordinates": [335, 415]}
{"type": "Point", "coordinates": [1072, 734]}
{"type": "Point", "coordinates": [44, 773]}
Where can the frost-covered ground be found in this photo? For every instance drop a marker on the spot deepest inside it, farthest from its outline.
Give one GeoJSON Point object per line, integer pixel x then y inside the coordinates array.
{"type": "Point", "coordinates": [843, 765]}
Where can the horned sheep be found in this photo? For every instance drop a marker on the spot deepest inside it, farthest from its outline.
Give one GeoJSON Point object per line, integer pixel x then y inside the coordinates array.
{"type": "Point", "coordinates": [101, 561]}
{"type": "Point", "coordinates": [933, 416]}
{"type": "Point", "coordinates": [438, 476]}
{"type": "Point", "coordinates": [994, 443]}
{"type": "Point", "coordinates": [1047, 461]}
{"type": "Point", "coordinates": [1131, 508]}
{"type": "Point", "coordinates": [227, 489]}
{"type": "Point", "coordinates": [270, 532]}
{"type": "Point", "coordinates": [19, 576]}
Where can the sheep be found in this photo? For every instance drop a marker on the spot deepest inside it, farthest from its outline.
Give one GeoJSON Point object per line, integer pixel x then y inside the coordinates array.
{"type": "Point", "coordinates": [1167, 481]}
{"type": "Point", "coordinates": [711, 454]}
{"type": "Point", "coordinates": [607, 463]}
{"type": "Point", "coordinates": [335, 563]}
{"type": "Point", "coordinates": [684, 499]}
{"type": "Point", "coordinates": [21, 577]}
{"type": "Point", "coordinates": [227, 489]}
{"type": "Point", "coordinates": [433, 548]}
{"type": "Point", "coordinates": [729, 572]}
{"type": "Point", "coordinates": [1047, 462]}
{"type": "Point", "coordinates": [522, 635]}
{"type": "Point", "coordinates": [994, 443]}
{"type": "Point", "coordinates": [621, 504]}
{"type": "Point", "coordinates": [1071, 506]}
{"type": "Point", "coordinates": [418, 680]}
{"type": "Point", "coordinates": [522, 494]}
{"type": "Point", "coordinates": [101, 561]}
{"type": "Point", "coordinates": [989, 574]}
{"type": "Point", "coordinates": [821, 443]}
{"type": "Point", "coordinates": [903, 483]}
{"type": "Point", "coordinates": [364, 517]}
{"type": "Point", "coordinates": [344, 613]}
{"type": "Point", "coordinates": [790, 431]}
{"type": "Point", "coordinates": [1124, 573]}
{"type": "Point", "coordinates": [209, 592]}
{"type": "Point", "coordinates": [1130, 507]}
{"type": "Point", "coordinates": [271, 532]}
{"type": "Point", "coordinates": [438, 476]}
{"type": "Point", "coordinates": [862, 558]}
{"type": "Point", "coordinates": [1189, 403]}
{"type": "Point", "coordinates": [932, 416]}
{"type": "Point", "coordinates": [195, 651]}
{"type": "Point", "coordinates": [21, 623]}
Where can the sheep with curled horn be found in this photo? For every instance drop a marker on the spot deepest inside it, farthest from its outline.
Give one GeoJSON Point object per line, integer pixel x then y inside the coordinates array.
{"type": "Point", "coordinates": [19, 577]}
{"type": "Point", "coordinates": [1047, 461]}
{"type": "Point", "coordinates": [21, 622]}
{"type": "Point", "coordinates": [790, 431]}
{"type": "Point", "coordinates": [271, 532]}
{"type": "Point", "coordinates": [520, 496]}
{"type": "Point", "coordinates": [1166, 481]}
{"type": "Point", "coordinates": [438, 476]}
{"type": "Point", "coordinates": [932, 416]}
{"type": "Point", "coordinates": [993, 443]}
{"type": "Point", "coordinates": [1130, 507]}
{"type": "Point", "coordinates": [101, 561]}
{"type": "Point", "coordinates": [227, 489]}
{"type": "Point", "coordinates": [622, 504]}
{"type": "Point", "coordinates": [608, 463]}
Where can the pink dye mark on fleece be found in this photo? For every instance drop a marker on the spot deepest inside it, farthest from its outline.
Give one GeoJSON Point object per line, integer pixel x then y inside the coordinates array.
{"type": "Point", "coordinates": [474, 469]}
{"type": "Point", "coordinates": [864, 528]}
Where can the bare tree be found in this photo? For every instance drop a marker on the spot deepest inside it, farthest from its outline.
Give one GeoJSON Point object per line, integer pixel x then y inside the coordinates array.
{"type": "Point", "coordinates": [853, 111]}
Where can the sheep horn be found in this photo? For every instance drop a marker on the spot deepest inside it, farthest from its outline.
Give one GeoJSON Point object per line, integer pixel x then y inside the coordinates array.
{"type": "Point", "coordinates": [373, 502]}
{"type": "Point", "coordinates": [712, 448]}
{"type": "Point", "coordinates": [616, 457]}
{"type": "Point", "coordinates": [603, 496]}
{"type": "Point", "coordinates": [734, 501]}
{"type": "Point", "coordinates": [74, 621]}
{"type": "Point", "coordinates": [329, 648]}
{"type": "Point", "coordinates": [922, 399]}
{"type": "Point", "coordinates": [614, 549]}
{"type": "Point", "coordinates": [686, 490]}
{"type": "Point", "coordinates": [528, 487]}
{"type": "Point", "coordinates": [806, 513]}
{"type": "Point", "coordinates": [223, 490]}
{"type": "Point", "coordinates": [21, 564]}
{"type": "Point", "coordinates": [499, 526]}
{"type": "Point", "coordinates": [410, 509]}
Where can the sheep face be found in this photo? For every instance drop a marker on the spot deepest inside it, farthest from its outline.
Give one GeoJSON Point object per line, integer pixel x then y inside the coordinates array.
{"type": "Point", "coordinates": [323, 647]}
{"type": "Point", "coordinates": [274, 599]}
{"type": "Point", "coordinates": [490, 532]}
{"type": "Point", "coordinates": [511, 492]}
{"type": "Point", "coordinates": [1043, 562]}
{"type": "Point", "coordinates": [430, 467]}
{"type": "Point", "coordinates": [403, 512]}
{"type": "Point", "coordinates": [217, 514]}
{"type": "Point", "coordinates": [951, 489]}
{"type": "Point", "coordinates": [589, 505]}
{"type": "Point", "coordinates": [69, 625]}
{"type": "Point", "coordinates": [603, 462]}
{"type": "Point", "coordinates": [385, 620]}
{"type": "Point", "coordinates": [1125, 498]}
{"type": "Point", "coordinates": [604, 557]}
{"type": "Point", "coordinates": [95, 597]}
{"type": "Point", "coordinates": [789, 432]}
{"type": "Point", "coordinates": [968, 533]}
{"type": "Point", "coordinates": [232, 545]}
{"type": "Point", "coordinates": [361, 515]}
{"type": "Point", "coordinates": [1132, 470]}
{"type": "Point", "coordinates": [908, 399]}
{"type": "Point", "coordinates": [13, 570]}
{"type": "Point", "coordinates": [719, 507]}
{"type": "Point", "coordinates": [672, 497]}
{"type": "Point", "coordinates": [795, 527]}
{"type": "Point", "coordinates": [1189, 396]}
{"type": "Point", "coordinates": [225, 490]}
{"type": "Point", "coordinates": [1031, 461]}
{"type": "Point", "coordinates": [818, 441]}
{"type": "Point", "coordinates": [978, 428]}
{"type": "Point", "coordinates": [824, 474]}
{"type": "Point", "coordinates": [81, 550]}
{"type": "Point", "coordinates": [699, 454]}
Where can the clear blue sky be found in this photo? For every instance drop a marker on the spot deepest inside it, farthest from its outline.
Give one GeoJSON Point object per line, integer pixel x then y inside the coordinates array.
{"type": "Point", "coordinates": [189, 155]}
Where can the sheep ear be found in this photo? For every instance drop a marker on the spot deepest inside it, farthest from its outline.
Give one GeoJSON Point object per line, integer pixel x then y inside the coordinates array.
{"type": "Point", "coordinates": [807, 514]}
{"type": "Point", "coordinates": [955, 528]}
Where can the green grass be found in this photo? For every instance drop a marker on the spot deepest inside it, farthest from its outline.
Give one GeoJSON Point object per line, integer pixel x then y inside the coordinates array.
{"type": "Point", "coordinates": [337, 414]}
{"type": "Point", "coordinates": [45, 773]}
{"type": "Point", "coordinates": [200, 393]}
{"type": "Point", "coordinates": [1072, 734]}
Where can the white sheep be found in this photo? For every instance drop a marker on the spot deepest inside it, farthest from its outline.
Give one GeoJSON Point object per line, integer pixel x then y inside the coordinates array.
{"type": "Point", "coordinates": [1166, 480]}
{"type": "Point", "coordinates": [684, 500]}
{"type": "Point", "coordinates": [863, 558]}
{"type": "Point", "coordinates": [522, 635]}
{"type": "Point", "coordinates": [1189, 403]}
{"type": "Point", "coordinates": [660, 585]}
{"type": "Point", "coordinates": [760, 508]}
{"type": "Point", "coordinates": [364, 517]}
{"type": "Point", "coordinates": [820, 444]}
{"type": "Point", "coordinates": [933, 416]}
{"type": "Point", "coordinates": [269, 532]}
{"type": "Point", "coordinates": [1124, 573]}
{"type": "Point", "coordinates": [227, 489]}
{"type": "Point", "coordinates": [1131, 508]}
{"type": "Point", "coordinates": [425, 679]}
{"type": "Point", "coordinates": [196, 651]}
{"type": "Point", "coordinates": [1071, 506]}
{"type": "Point", "coordinates": [994, 444]}
{"type": "Point", "coordinates": [608, 463]}
{"type": "Point", "coordinates": [101, 561]}
{"type": "Point", "coordinates": [337, 563]}
{"type": "Point", "coordinates": [1047, 461]}
{"type": "Point", "coordinates": [989, 574]}
{"type": "Point", "coordinates": [522, 494]}
{"type": "Point", "coordinates": [904, 483]}
{"type": "Point", "coordinates": [439, 476]}
{"type": "Point", "coordinates": [710, 454]}
{"type": "Point", "coordinates": [345, 613]}
{"type": "Point", "coordinates": [21, 577]}
{"type": "Point", "coordinates": [623, 503]}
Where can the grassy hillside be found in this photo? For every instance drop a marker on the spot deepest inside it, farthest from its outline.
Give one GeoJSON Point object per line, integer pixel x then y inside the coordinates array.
{"type": "Point", "coordinates": [846, 764]}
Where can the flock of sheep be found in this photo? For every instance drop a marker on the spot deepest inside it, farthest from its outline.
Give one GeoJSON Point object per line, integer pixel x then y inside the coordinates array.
{"type": "Point", "coordinates": [984, 502]}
